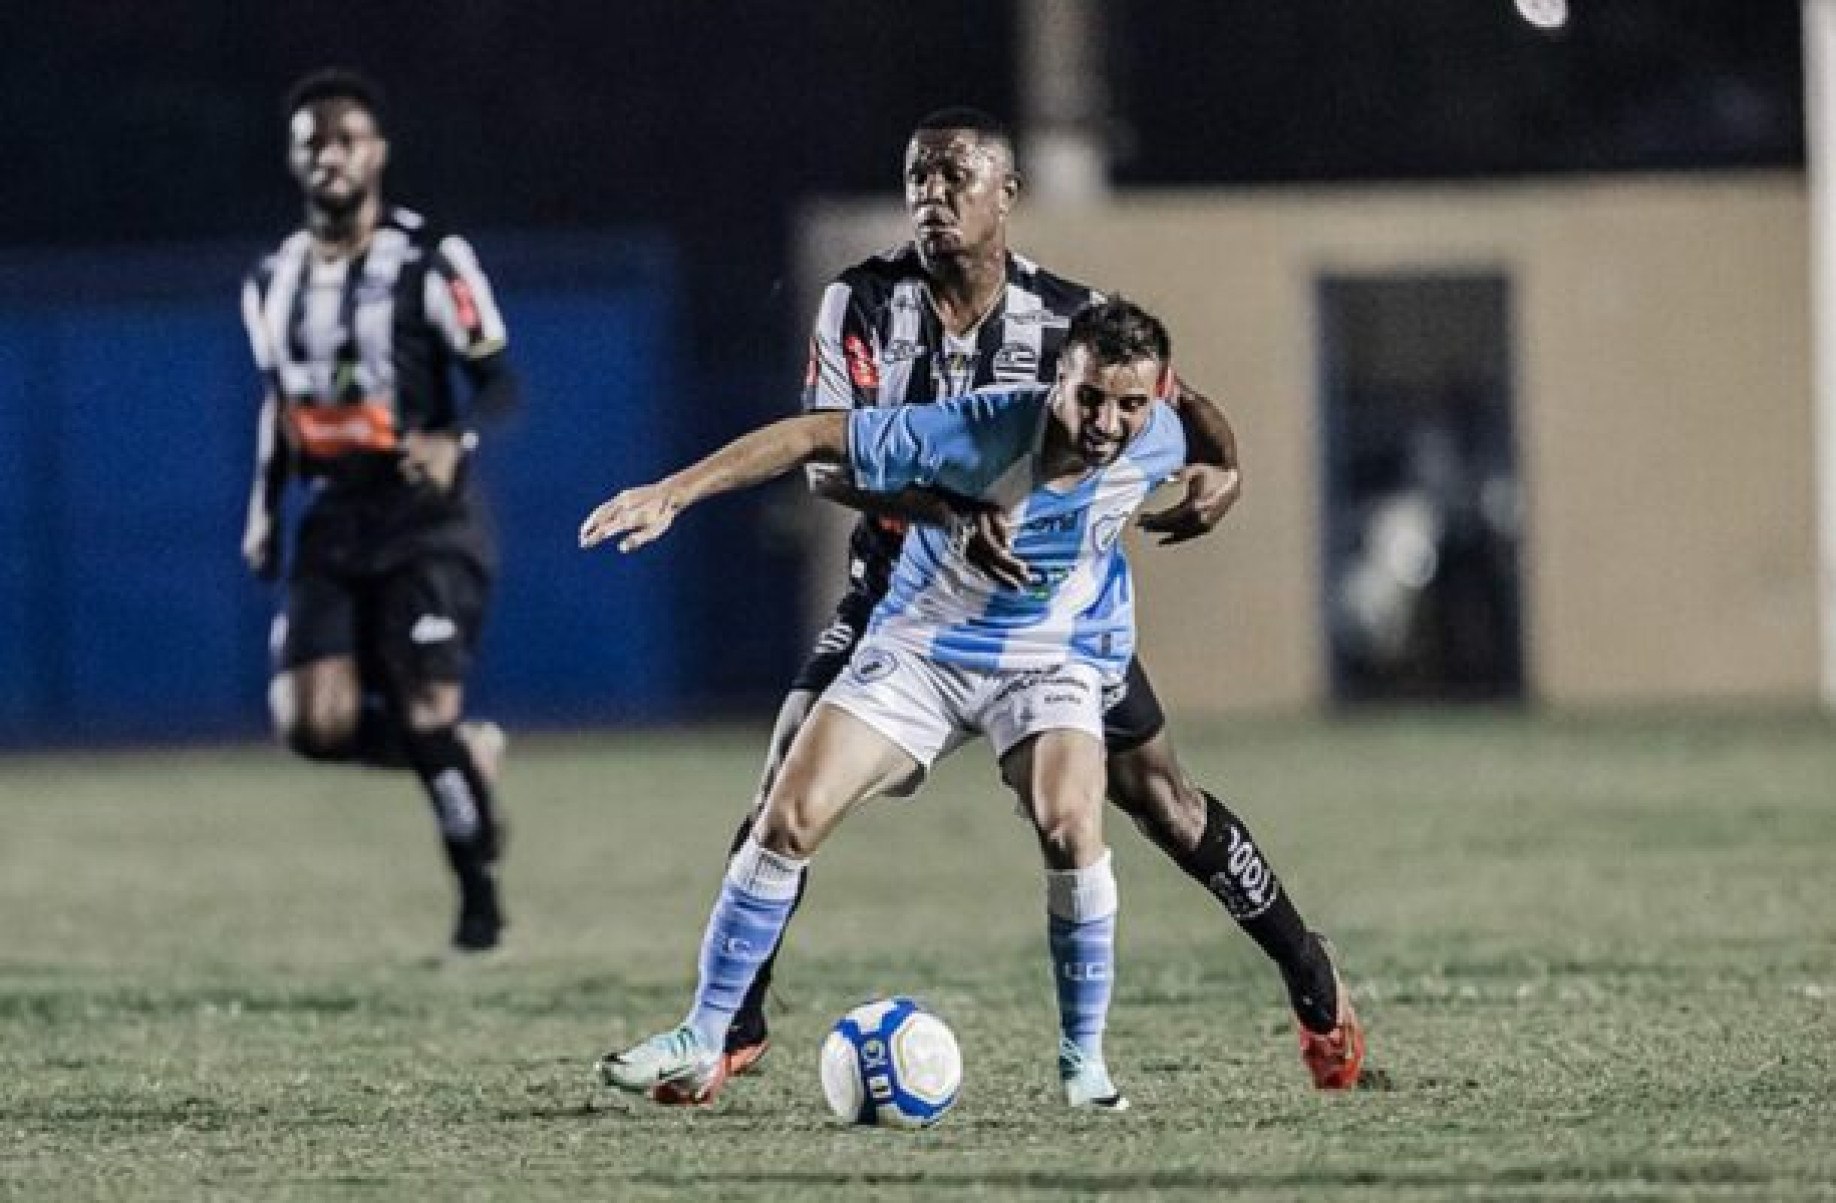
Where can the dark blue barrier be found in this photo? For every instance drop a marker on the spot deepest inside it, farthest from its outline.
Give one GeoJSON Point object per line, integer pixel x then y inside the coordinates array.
{"type": "Point", "coordinates": [127, 408]}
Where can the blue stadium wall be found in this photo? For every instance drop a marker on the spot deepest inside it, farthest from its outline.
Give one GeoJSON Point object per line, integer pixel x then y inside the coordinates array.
{"type": "Point", "coordinates": [127, 407]}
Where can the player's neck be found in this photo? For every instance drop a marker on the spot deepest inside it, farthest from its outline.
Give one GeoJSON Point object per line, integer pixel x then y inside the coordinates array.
{"type": "Point", "coordinates": [965, 290]}
{"type": "Point", "coordinates": [343, 235]}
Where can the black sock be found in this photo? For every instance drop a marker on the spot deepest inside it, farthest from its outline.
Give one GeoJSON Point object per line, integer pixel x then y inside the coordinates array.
{"type": "Point", "coordinates": [1228, 863]}
{"type": "Point", "coordinates": [381, 741]}
{"type": "Point", "coordinates": [748, 1026]}
{"type": "Point", "coordinates": [461, 800]}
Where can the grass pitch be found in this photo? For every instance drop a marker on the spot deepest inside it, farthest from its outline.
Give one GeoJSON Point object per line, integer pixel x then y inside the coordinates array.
{"type": "Point", "coordinates": [1597, 960]}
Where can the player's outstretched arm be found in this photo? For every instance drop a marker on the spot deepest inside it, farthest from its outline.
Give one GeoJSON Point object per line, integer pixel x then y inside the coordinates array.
{"type": "Point", "coordinates": [1212, 478]}
{"type": "Point", "coordinates": [641, 515]}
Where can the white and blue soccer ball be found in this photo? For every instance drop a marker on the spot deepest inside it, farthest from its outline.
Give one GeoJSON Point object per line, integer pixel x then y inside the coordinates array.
{"type": "Point", "coordinates": [892, 1063]}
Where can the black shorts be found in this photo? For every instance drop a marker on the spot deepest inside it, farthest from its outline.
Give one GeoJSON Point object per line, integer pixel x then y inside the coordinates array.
{"type": "Point", "coordinates": [415, 624]}
{"type": "Point", "coordinates": [1130, 721]}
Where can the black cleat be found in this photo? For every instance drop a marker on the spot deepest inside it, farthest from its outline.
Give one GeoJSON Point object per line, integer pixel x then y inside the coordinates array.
{"type": "Point", "coordinates": [481, 921]}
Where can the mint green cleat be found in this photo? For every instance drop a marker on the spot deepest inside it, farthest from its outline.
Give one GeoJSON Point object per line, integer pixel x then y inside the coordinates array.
{"type": "Point", "coordinates": [1086, 1081]}
{"type": "Point", "coordinates": [678, 1058]}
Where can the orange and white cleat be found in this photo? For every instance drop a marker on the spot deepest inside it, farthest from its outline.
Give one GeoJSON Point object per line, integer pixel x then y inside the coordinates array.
{"type": "Point", "coordinates": [733, 1063]}
{"type": "Point", "coordinates": [1334, 1058]}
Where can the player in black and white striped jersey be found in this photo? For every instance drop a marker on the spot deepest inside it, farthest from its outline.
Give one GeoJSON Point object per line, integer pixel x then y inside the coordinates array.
{"type": "Point", "coordinates": [956, 309]}
{"type": "Point", "coordinates": [358, 322]}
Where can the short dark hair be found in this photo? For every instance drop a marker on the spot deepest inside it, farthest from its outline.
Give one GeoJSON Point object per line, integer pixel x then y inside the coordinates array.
{"type": "Point", "coordinates": [961, 116]}
{"type": "Point", "coordinates": [336, 83]}
{"type": "Point", "coordinates": [1119, 331]}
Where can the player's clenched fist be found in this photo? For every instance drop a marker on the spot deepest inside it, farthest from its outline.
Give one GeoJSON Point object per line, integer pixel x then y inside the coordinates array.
{"type": "Point", "coordinates": [641, 515]}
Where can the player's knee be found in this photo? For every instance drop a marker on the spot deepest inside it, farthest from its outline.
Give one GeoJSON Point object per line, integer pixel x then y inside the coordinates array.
{"type": "Point", "coordinates": [1070, 836]}
{"type": "Point", "coordinates": [787, 833]}
{"type": "Point", "coordinates": [320, 737]}
{"type": "Point", "coordinates": [1149, 786]}
{"type": "Point", "coordinates": [433, 712]}
{"type": "Point", "coordinates": [793, 821]}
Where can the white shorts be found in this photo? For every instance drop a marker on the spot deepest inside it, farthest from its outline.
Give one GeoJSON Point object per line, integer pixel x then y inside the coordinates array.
{"type": "Point", "coordinates": [931, 709]}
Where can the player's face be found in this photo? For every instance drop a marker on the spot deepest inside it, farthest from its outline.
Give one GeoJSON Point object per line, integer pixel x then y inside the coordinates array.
{"type": "Point", "coordinates": [336, 154]}
{"type": "Point", "coordinates": [959, 188]}
{"type": "Point", "coordinates": [1104, 406]}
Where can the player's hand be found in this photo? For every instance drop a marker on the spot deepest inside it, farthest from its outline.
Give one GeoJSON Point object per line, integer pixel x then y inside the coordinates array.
{"type": "Point", "coordinates": [990, 548]}
{"type": "Point", "coordinates": [431, 458]}
{"type": "Point", "coordinates": [260, 549]}
{"type": "Point", "coordinates": [641, 515]}
{"type": "Point", "coordinates": [1210, 492]}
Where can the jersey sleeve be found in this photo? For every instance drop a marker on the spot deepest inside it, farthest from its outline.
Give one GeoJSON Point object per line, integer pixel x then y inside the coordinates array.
{"type": "Point", "coordinates": [1161, 449]}
{"type": "Point", "coordinates": [259, 346]}
{"type": "Point", "coordinates": [843, 372]}
{"type": "Point", "coordinates": [961, 444]}
{"type": "Point", "coordinates": [460, 303]}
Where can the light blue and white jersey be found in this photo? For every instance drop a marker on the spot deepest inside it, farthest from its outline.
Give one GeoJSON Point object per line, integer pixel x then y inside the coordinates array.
{"type": "Point", "coordinates": [985, 445]}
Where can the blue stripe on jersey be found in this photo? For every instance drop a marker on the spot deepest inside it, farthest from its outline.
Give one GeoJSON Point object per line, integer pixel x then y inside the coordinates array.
{"type": "Point", "coordinates": [983, 446]}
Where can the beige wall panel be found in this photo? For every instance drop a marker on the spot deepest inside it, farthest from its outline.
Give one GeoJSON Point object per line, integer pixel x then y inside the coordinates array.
{"type": "Point", "coordinates": [1663, 397]}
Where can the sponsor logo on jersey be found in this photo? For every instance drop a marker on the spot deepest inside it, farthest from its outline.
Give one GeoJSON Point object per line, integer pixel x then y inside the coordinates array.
{"type": "Point", "coordinates": [328, 431]}
{"type": "Point", "coordinates": [901, 350]}
{"type": "Point", "coordinates": [861, 367]}
{"type": "Point", "coordinates": [1015, 362]}
{"type": "Point", "coordinates": [432, 628]}
{"type": "Point", "coordinates": [465, 305]}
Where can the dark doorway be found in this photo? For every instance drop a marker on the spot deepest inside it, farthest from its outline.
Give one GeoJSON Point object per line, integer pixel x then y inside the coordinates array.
{"type": "Point", "coordinates": [1423, 506]}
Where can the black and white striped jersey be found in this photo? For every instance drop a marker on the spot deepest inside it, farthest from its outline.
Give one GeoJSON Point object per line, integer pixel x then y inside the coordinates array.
{"type": "Point", "coordinates": [359, 351]}
{"type": "Point", "coordinates": [878, 342]}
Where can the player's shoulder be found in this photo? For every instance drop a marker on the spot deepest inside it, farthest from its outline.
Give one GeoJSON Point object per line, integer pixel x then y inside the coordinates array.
{"type": "Point", "coordinates": [1059, 294]}
{"type": "Point", "coordinates": [876, 276]}
{"type": "Point", "coordinates": [293, 247]}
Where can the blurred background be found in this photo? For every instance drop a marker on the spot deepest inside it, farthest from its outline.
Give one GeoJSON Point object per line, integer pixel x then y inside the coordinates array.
{"type": "Point", "coordinates": [1509, 301]}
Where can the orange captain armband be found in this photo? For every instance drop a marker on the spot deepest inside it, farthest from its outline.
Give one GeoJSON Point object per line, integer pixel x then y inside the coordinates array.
{"type": "Point", "coordinates": [891, 525]}
{"type": "Point", "coordinates": [346, 428]}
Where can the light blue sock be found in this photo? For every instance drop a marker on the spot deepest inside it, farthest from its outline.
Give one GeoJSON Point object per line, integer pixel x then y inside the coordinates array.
{"type": "Point", "coordinates": [1081, 926]}
{"type": "Point", "coordinates": [754, 905]}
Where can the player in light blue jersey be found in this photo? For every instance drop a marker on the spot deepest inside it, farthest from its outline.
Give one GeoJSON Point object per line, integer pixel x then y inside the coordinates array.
{"type": "Point", "coordinates": [948, 654]}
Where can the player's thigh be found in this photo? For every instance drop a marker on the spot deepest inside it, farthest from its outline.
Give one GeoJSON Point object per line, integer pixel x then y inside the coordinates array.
{"type": "Point", "coordinates": [1132, 715]}
{"type": "Point", "coordinates": [1047, 730]}
{"type": "Point", "coordinates": [424, 628]}
{"type": "Point", "coordinates": [793, 712]}
{"type": "Point", "coordinates": [1055, 775]}
{"type": "Point", "coordinates": [837, 761]}
{"type": "Point", "coordinates": [313, 643]}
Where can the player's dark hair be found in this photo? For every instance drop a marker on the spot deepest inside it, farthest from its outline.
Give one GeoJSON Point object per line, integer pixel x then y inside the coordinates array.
{"type": "Point", "coordinates": [336, 83]}
{"type": "Point", "coordinates": [961, 116]}
{"type": "Point", "coordinates": [981, 123]}
{"type": "Point", "coordinates": [1119, 331]}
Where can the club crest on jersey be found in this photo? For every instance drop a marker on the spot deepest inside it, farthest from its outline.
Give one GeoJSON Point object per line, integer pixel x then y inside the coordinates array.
{"type": "Point", "coordinates": [1016, 362]}
{"type": "Point", "coordinates": [872, 664]}
{"type": "Point", "coordinates": [1108, 530]}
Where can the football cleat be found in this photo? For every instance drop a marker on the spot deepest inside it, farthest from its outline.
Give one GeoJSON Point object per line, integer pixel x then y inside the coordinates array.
{"type": "Point", "coordinates": [1086, 1081]}
{"type": "Point", "coordinates": [678, 1058]}
{"type": "Point", "coordinates": [735, 1061]}
{"type": "Point", "coordinates": [480, 925]}
{"type": "Point", "coordinates": [1334, 1058]}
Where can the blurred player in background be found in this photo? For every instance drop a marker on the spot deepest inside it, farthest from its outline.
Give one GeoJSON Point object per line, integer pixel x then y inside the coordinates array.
{"type": "Point", "coordinates": [953, 310]}
{"type": "Point", "coordinates": [357, 323]}
{"type": "Point", "coordinates": [950, 652]}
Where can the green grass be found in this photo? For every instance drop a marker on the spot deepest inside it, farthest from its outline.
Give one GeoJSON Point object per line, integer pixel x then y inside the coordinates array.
{"type": "Point", "coordinates": [1598, 960]}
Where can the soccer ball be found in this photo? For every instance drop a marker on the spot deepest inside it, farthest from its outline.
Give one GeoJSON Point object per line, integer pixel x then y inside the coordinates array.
{"type": "Point", "coordinates": [892, 1063]}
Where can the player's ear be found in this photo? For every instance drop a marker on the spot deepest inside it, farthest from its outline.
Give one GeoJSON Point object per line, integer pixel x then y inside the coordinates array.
{"type": "Point", "coordinates": [382, 153]}
{"type": "Point", "coordinates": [1010, 192]}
